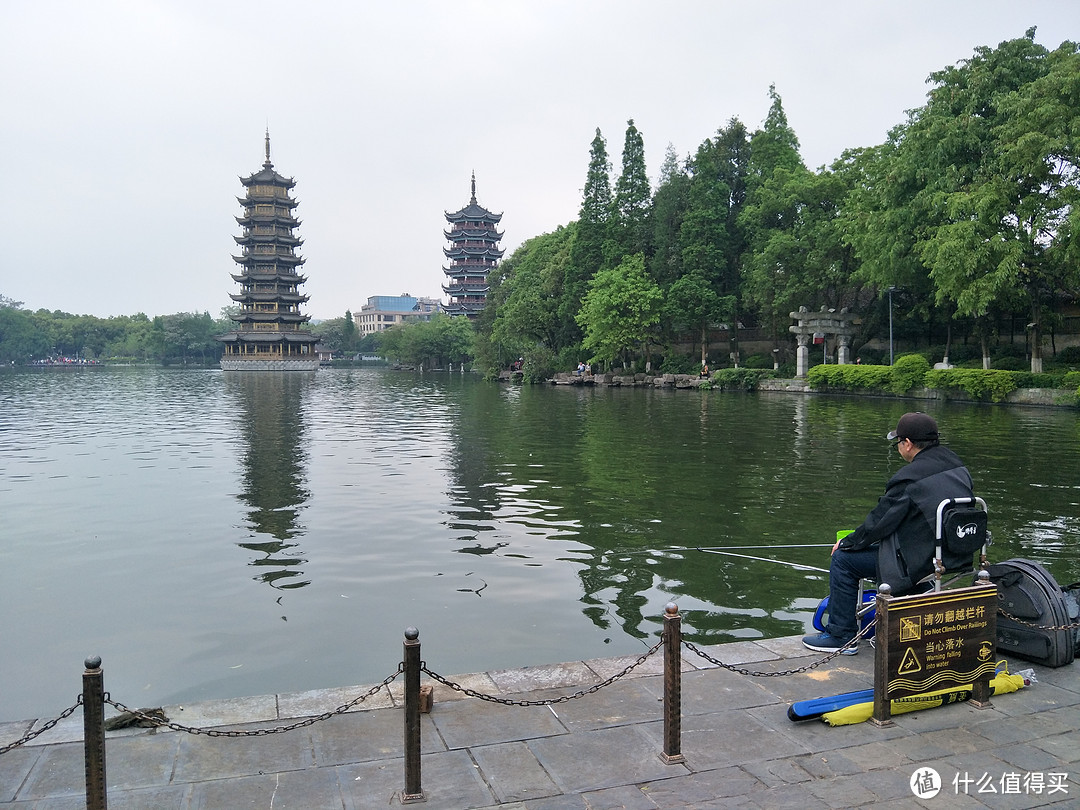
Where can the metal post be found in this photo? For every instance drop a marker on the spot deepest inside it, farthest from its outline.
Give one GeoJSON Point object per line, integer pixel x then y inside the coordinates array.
{"type": "Point", "coordinates": [672, 752]}
{"type": "Point", "coordinates": [93, 695]}
{"type": "Point", "coordinates": [413, 792]}
{"type": "Point", "coordinates": [882, 714]}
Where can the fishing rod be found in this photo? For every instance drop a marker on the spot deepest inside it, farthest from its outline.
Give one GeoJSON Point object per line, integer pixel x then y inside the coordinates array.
{"type": "Point", "coordinates": [797, 566]}
{"type": "Point", "coordinates": [780, 545]}
{"type": "Point", "coordinates": [718, 548]}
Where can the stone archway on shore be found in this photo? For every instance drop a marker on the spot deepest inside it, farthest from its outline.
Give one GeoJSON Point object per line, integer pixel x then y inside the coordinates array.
{"type": "Point", "coordinates": [824, 323]}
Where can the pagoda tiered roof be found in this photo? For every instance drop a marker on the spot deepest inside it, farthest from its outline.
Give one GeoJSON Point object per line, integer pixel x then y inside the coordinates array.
{"type": "Point", "coordinates": [462, 251]}
{"type": "Point", "coordinates": [278, 275]}
{"type": "Point", "coordinates": [264, 336]}
{"type": "Point", "coordinates": [269, 239]}
{"type": "Point", "coordinates": [266, 176]}
{"type": "Point", "coordinates": [247, 316]}
{"type": "Point", "coordinates": [258, 295]}
{"type": "Point", "coordinates": [266, 199]}
{"type": "Point", "coordinates": [466, 232]}
{"type": "Point", "coordinates": [267, 258]}
{"type": "Point", "coordinates": [473, 213]}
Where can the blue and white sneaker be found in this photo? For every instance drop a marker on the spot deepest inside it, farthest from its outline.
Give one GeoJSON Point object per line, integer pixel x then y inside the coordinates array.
{"type": "Point", "coordinates": [825, 643]}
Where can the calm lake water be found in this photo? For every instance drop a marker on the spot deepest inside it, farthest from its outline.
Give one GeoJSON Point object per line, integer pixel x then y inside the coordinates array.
{"type": "Point", "coordinates": [214, 535]}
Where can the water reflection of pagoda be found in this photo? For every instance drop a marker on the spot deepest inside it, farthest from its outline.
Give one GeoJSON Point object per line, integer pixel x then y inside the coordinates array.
{"type": "Point", "coordinates": [271, 333]}
{"type": "Point", "coordinates": [473, 253]}
{"type": "Point", "coordinates": [274, 489]}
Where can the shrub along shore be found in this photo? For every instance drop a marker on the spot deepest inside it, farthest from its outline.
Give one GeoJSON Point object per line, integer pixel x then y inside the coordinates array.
{"type": "Point", "coordinates": [909, 376]}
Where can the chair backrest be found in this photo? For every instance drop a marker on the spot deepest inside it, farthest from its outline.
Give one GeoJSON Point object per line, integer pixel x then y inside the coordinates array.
{"type": "Point", "coordinates": [961, 531]}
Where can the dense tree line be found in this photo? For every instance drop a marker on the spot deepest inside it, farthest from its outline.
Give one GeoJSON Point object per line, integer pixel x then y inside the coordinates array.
{"type": "Point", "coordinates": [44, 336]}
{"type": "Point", "coordinates": [964, 217]}
{"type": "Point", "coordinates": [963, 221]}
{"type": "Point", "coordinates": [437, 343]}
{"type": "Point", "coordinates": [182, 338]}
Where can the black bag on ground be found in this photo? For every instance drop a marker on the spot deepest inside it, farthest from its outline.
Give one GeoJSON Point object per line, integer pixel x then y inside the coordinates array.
{"type": "Point", "coordinates": [1028, 592]}
{"type": "Point", "coordinates": [1072, 607]}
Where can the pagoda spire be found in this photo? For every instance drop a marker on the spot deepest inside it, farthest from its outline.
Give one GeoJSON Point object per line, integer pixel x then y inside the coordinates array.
{"type": "Point", "coordinates": [472, 200]}
{"type": "Point", "coordinates": [268, 164]}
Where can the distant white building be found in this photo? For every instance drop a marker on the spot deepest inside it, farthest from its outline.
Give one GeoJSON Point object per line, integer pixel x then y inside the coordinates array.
{"type": "Point", "coordinates": [383, 311]}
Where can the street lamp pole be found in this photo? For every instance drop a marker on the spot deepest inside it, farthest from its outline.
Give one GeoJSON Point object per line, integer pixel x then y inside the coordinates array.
{"type": "Point", "coordinates": [890, 326]}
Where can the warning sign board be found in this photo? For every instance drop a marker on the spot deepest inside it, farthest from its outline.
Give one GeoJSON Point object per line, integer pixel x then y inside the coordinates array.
{"type": "Point", "coordinates": [934, 641]}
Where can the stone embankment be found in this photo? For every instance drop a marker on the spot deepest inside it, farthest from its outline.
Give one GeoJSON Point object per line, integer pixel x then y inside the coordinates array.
{"type": "Point", "coordinates": [1046, 397]}
{"type": "Point", "coordinates": [640, 380]}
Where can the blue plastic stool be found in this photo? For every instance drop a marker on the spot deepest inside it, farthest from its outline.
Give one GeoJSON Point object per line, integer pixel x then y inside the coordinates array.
{"type": "Point", "coordinates": [867, 618]}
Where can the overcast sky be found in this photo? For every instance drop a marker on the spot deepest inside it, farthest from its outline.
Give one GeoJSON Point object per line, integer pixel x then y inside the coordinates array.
{"type": "Point", "coordinates": [126, 123]}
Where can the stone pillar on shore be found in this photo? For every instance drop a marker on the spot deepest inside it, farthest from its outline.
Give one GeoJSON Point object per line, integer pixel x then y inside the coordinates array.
{"type": "Point", "coordinates": [802, 355]}
{"type": "Point", "coordinates": [843, 350]}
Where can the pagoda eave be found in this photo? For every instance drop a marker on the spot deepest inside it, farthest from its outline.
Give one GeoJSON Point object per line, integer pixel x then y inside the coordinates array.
{"type": "Point", "coordinates": [289, 298]}
{"type": "Point", "coordinates": [490, 234]}
{"type": "Point", "coordinates": [252, 275]}
{"type": "Point", "coordinates": [268, 258]}
{"type": "Point", "coordinates": [473, 213]}
{"type": "Point", "coordinates": [267, 177]}
{"type": "Point", "coordinates": [268, 337]}
{"type": "Point", "coordinates": [268, 239]}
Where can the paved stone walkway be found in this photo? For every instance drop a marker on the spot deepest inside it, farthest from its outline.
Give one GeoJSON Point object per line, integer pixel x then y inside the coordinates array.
{"type": "Point", "coordinates": [599, 751]}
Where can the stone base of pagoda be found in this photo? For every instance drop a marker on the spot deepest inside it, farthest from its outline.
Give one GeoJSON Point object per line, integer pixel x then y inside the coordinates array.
{"type": "Point", "coordinates": [262, 364]}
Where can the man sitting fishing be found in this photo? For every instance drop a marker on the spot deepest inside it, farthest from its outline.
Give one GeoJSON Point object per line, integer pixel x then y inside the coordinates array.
{"type": "Point", "coordinates": [907, 510]}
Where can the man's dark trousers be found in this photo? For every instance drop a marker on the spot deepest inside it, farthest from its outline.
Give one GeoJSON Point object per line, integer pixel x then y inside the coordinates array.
{"type": "Point", "coordinates": [846, 570]}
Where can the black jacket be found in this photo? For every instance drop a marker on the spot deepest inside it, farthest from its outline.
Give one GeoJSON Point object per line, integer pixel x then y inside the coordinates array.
{"type": "Point", "coordinates": [909, 506]}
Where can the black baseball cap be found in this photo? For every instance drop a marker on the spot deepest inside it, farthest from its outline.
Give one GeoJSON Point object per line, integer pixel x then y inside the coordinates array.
{"type": "Point", "coordinates": [919, 427]}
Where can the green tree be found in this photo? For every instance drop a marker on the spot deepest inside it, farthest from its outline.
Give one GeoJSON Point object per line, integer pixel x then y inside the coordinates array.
{"type": "Point", "coordinates": [710, 239]}
{"type": "Point", "coordinates": [774, 146]}
{"type": "Point", "coordinates": [224, 322]}
{"type": "Point", "coordinates": [977, 189]}
{"type": "Point", "coordinates": [733, 152]}
{"type": "Point", "coordinates": [20, 339]}
{"type": "Point", "coordinates": [133, 341]}
{"type": "Point", "coordinates": [521, 318]}
{"type": "Point", "coordinates": [429, 344]}
{"type": "Point", "coordinates": [331, 334]}
{"type": "Point", "coordinates": [587, 249]}
{"type": "Point", "coordinates": [797, 256]}
{"type": "Point", "coordinates": [1009, 227]}
{"type": "Point", "coordinates": [771, 214]}
{"type": "Point", "coordinates": [880, 220]}
{"type": "Point", "coordinates": [668, 209]}
{"type": "Point", "coordinates": [703, 233]}
{"type": "Point", "coordinates": [349, 333]}
{"type": "Point", "coordinates": [632, 201]}
{"type": "Point", "coordinates": [620, 309]}
{"type": "Point", "coordinates": [693, 303]}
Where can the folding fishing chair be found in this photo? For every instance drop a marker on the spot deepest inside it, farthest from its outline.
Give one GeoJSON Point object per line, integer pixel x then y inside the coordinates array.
{"type": "Point", "coordinates": [960, 530]}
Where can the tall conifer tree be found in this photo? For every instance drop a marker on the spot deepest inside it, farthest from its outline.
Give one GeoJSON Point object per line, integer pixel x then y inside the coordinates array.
{"type": "Point", "coordinates": [587, 248]}
{"type": "Point", "coordinates": [630, 212]}
{"type": "Point", "coordinates": [668, 209]}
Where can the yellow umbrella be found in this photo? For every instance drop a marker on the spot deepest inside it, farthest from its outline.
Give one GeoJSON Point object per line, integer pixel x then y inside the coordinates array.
{"type": "Point", "coordinates": [860, 712]}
